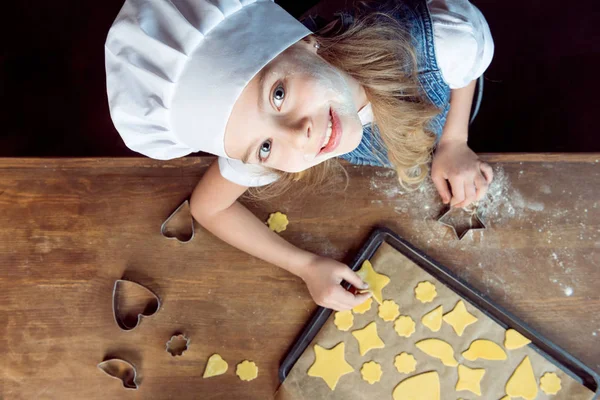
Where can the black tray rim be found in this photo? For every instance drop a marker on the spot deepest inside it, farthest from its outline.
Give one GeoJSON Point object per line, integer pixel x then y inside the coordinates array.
{"type": "Point", "coordinates": [552, 352]}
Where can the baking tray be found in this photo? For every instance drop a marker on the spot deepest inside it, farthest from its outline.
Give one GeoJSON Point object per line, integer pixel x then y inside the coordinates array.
{"type": "Point", "coordinates": [563, 360]}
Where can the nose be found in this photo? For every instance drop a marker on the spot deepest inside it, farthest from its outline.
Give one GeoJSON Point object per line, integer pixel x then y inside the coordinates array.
{"type": "Point", "coordinates": [299, 133]}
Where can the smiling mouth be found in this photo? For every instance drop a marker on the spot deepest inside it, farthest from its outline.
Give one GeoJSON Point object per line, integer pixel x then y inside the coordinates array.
{"type": "Point", "coordinates": [332, 134]}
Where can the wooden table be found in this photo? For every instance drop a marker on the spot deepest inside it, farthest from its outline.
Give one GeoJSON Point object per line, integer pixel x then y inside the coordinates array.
{"type": "Point", "coordinates": [71, 227]}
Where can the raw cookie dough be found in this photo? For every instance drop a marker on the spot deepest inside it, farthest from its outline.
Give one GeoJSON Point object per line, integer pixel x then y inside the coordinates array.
{"type": "Point", "coordinates": [330, 364]}
{"type": "Point", "coordinates": [404, 326]}
{"type": "Point", "coordinates": [368, 338]}
{"type": "Point", "coordinates": [375, 280]}
{"type": "Point", "coordinates": [419, 387]}
{"type": "Point", "coordinates": [433, 319]}
{"type": "Point", "coordinates": [514, 340]}
{"type": "Point", "coordinates": [459, 318]}
{"type": "Point", "coordinates": [371, 372]}
{"type": "Point", "coordinates": [343, 320]}
{"type": "Point", "coordinates": [439, 349]}
{"type": "Point", "coordinates": [364, 307]}
{"type": "Point", "coordinates": [247, 370]}
{"type": "Point", "coordinates": [215, 366]}
{"type": "Point", "coordinates": [405, 363]}
{"type": "Point", "coordinates": [505, 398]}
{"type": "Point", "coordinates": [469, 379]}
{"type": "Point", "coordinates": [425, 292]}
{"type": "Point", "coordinates": [389, 310]}
{"type": "Point", "coordinates": [550, 383]}
{"type": "Point", "coordinates": [484, 349]}
{"type": "Point", "coordinates": [522, 382]}
{"type": "Point", "coordinates": [278, 222]}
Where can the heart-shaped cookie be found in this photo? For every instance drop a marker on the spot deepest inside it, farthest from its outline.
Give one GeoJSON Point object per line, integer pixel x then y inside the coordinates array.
{"type": "Point", "coordinates": [215, 366]}
{"type": "Point", "coordinates": [180, 224]}
{"type": "Point", "coordinates": [132, 302]}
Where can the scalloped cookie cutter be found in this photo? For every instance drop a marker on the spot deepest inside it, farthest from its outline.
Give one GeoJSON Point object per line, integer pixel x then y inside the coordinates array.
{"type": "Point", "coordinates": [186, 236]}
{"type": "Point", "coordinates": [127, 321]}
{"type": "Point", "coordinates": [178, 344]}
{"type": "Point", "coordinates": [122, 370]}
{"type": "Point", "coordinates": [475, 221]}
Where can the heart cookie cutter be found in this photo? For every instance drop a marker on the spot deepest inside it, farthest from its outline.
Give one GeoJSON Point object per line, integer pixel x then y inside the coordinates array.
{"type": "Point", "coordinates": [136, 296]}
{"type": "Point", "coordinates": [187, 215]}
{"type": "Point", "coordinates": [122, 370]}
{"type": "Point", "coordinates": [469, 218]}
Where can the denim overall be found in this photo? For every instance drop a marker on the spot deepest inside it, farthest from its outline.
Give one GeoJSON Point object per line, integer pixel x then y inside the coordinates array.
{"type": "Point", "coordinates": [414, 15]}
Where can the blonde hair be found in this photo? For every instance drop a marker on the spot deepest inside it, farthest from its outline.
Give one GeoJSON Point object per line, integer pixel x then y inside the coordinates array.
{"type": "Point", "coordinates": [377, 52]}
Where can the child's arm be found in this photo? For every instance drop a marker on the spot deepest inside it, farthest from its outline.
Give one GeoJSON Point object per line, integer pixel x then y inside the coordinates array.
{"type": "Point", "coordinates": [454, 161]}
{"type": "Point", "coordinates": [214, 205]}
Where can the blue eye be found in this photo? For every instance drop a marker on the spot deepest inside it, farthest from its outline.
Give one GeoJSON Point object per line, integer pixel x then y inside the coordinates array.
{"type": "Point", "coordinates": [265, 150]}
{"type": "Point", "coordinates": [278, 95]}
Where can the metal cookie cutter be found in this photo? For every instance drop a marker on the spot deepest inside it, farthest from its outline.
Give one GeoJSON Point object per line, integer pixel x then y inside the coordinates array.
{"type": "Point", "coordinates": [132, 302]}
{"type": "Point", "coordinates": [122, 370]}
{"type": "Point", "coordinates": [177, 344]}
{"type": "Point", "coordinates": [183, 224]}
{"type": "Point", "coordinates": [462, 220]}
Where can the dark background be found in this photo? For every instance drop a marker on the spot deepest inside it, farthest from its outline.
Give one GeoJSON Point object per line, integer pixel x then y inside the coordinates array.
{"type": "Point", "coordinates": [540, 91]}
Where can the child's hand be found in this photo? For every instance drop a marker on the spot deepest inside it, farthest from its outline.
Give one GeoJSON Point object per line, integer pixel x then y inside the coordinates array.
{"type": "Point", "coordinates": [323, 276]}
{"type": "Point", "coordinates": [469, 178]}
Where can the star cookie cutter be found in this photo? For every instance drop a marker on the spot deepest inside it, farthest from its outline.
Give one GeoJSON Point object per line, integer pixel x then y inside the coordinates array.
{"type": "Point", "coordinates": [182, 232]}
{"type": "Point", "coordinates": [122, 370]}
{"type": "Point", "coordinates": [462, 220]}
{"type": "Point", "coordinates": [131, 303]}
{"type": "Point", "coordinates": [178, 344]}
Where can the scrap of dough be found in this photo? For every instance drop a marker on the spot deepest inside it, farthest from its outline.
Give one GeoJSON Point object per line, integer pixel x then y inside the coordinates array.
{"type": "Point", "coordinates": [405, 363]}
{"type": "Point", "coordinates": [425, 292]}
{"type": "Point", "coordinates": [514, 340]}
{"type": "Point", "coordinates": [389, 310]}
{"type": "Point", "coordinates": [330, 365]}
{"type": "Point", "coordinates": [459, 318]}
{"type": "Point", "coordinates": [419, 387]}
{"type": "Point", "coordinates": [368, 338]}
{"type": "Point", "coordinates": [550, 383]}
{"type": "Point", "coordinates": [343, 320]}
{"type": "Point", "coordinates": [522, 382]}
{"type": "Point", "coordinates": [215, 366]}
{"type": "Point", "coordinates": [371, 372]}
{"type": "Point", "coordinates": [364, 307]}
{"type": "Point", "coordinates": [433, 319]}
{"type": "Point", "coordinates": [375, 280]}
{"type": "Point", "coordinates": [484, 349]}
{"type": "Point", "coordinates": [404, 326]}
{"type": "Point", "coordinates": [469, 379]}
{"type": "Point", "coordinates": [278, 222]}
{"type": "Point", "coordinates": [247, 370]}
{"type": "Point", "coordinates": [439, 349]}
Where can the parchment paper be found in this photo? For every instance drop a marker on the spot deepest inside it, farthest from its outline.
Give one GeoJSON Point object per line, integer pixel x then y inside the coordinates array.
{"type": "Point", "coordinates": [405, 275]}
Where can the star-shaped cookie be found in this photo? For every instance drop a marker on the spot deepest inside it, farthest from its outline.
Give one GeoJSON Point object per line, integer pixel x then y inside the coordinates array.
{"type": "Point", "coordinates": [459, 318]}
{"type": "Point", "coordinates": [330, 364]}
{"type": "Point", "coordinates": [368, 338]}
{"type": "Point", "coordinates": [375, 280]}
{"type": "Point", "coordinates": [469, 379]}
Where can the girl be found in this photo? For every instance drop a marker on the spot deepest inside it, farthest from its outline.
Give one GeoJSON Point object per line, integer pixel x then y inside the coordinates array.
{"type": "Point", "coordinates": [245, 81]}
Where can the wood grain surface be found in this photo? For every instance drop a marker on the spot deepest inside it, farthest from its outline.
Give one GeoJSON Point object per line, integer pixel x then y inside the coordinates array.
{"type": "Point", "coordinates": [71, 227]}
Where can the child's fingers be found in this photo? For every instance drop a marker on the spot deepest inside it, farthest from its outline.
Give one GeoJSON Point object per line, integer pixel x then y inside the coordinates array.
{"type": "Point", "coordinates": [482, 186]}
{"type": "Point", "coordinates": [470, 193]}
{"type": "Point", "coordinates": [352, 278]}
{"type": "Point", "coordinates": [487, 171]}
{"type": "Point", "coordinates": [458, 191]}
{"type": "Point", "coordinates": [442, 187]}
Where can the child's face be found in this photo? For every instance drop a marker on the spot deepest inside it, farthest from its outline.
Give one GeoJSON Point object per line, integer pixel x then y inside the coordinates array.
{"type": "Point", "coordinates": [281, 119]}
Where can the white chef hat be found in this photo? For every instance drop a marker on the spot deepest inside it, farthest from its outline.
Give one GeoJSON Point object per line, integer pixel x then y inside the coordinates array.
{"type": "Point", "coordinates": [174, 68]}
